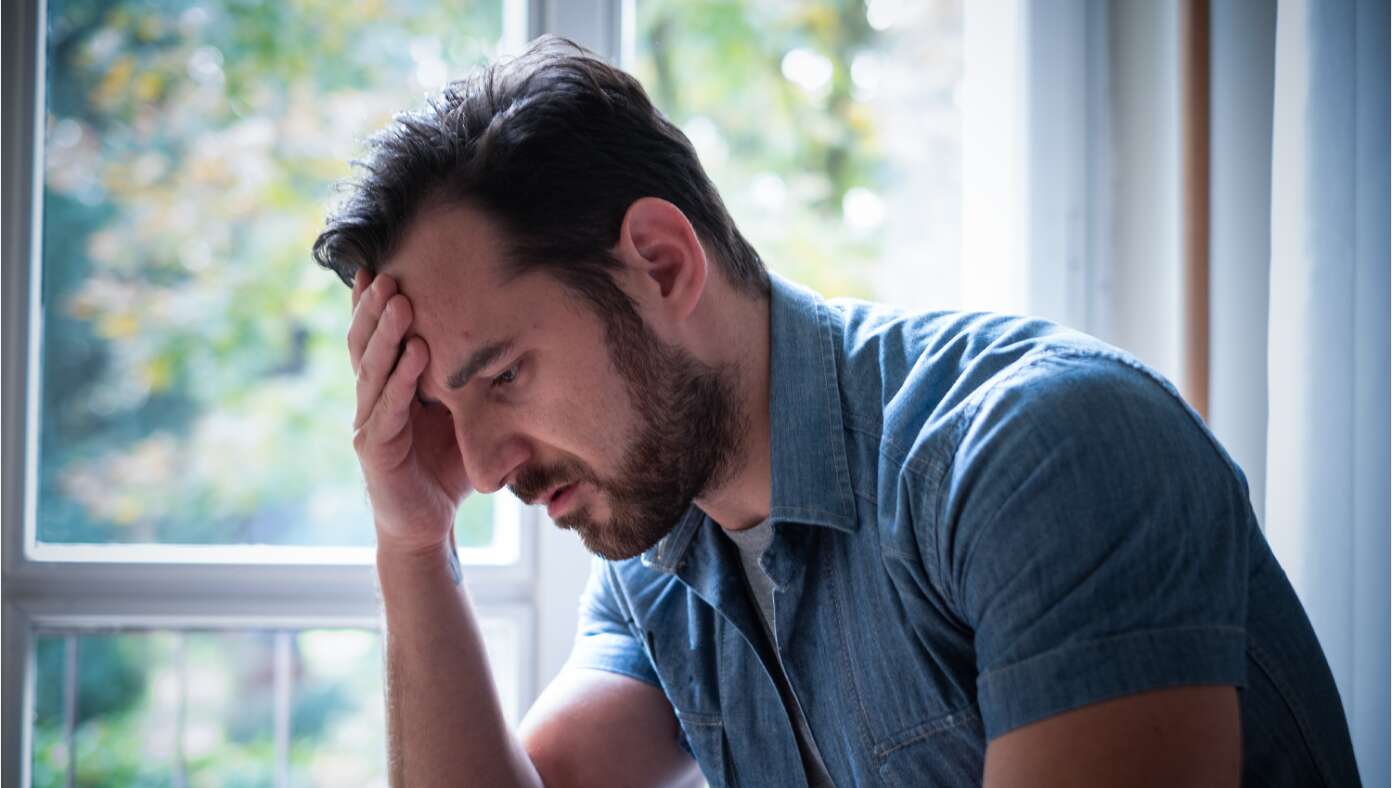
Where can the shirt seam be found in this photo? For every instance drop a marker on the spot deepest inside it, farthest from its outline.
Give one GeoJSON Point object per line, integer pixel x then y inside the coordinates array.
{"type": "Point", "coordinates": [1150, 376]}
{"type": "Point", "coordinates": [971, 409]}
{"type": "Point", "coordinates": [1092, 642]}
{"type": "Point", "coordinates": [613, 668]}
{"type": "Point", "coordinates": [829, 354]}
{"type": "Point", "coordinates": [1297, 710]}
{"type": "Point", "coordinates": [926, 730]}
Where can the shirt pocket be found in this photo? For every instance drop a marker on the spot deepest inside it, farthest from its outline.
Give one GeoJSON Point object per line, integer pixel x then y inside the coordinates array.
{"type": "Point", "coordinates": [705, 740]}
{"type": "Point", "coordinates": [947, 750]}
{"type": "Point", "coordinates": [687, 665]}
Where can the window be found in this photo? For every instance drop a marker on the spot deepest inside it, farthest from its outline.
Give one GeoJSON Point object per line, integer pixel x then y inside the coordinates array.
{"type": "Point", "coordinates": [832, 130]}
{"type": "Point", "coordinates": [189, 590]}
{"type": "Point", "coordinates": [194, 389]}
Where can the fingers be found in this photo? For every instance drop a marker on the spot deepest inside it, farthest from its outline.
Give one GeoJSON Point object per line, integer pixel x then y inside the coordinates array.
{"type": "Point", "coordinates": [392, 410]}
{"type": "Point", "coordinates": [366, 314]}
{"type": "Point", "coordinates": [361, 279]}
{"type": "Point", "coordinates": [381, 355]}
{"type": "Point", "coordinates": [387, 372]}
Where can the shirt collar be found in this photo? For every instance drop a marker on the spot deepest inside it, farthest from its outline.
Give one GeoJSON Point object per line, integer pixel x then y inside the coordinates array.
{"type": "Point", "coordinates": [811, 477]}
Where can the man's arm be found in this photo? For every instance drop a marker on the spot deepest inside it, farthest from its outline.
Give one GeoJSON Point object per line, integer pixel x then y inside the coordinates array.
{"type": "Point", "coordinates": [1187, 736]}
{"type": "Point", "coordinates": [596, 728]}
{"type": "Point", "coordinates": [1094, 538]}
{"type": "Point", "coordinates": [445, 725]}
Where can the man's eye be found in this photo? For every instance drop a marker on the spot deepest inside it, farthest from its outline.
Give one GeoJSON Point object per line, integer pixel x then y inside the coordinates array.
{"type": "Point", "coordinates": [507, 376]}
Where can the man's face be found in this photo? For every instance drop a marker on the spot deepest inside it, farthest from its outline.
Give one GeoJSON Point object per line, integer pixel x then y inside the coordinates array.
{"type": "Point", "coordinates": [613, 428]}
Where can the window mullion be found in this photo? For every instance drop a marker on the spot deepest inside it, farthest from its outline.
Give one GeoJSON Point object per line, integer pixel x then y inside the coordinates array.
{"type": "Point", "coordinates": [284, 641]}
{"type": "Point", "coordinates": [180, 710]}
{"type": "Point", "coordinates": [595, 24]}
{"type": "Point", "coordinates": [70, 666]}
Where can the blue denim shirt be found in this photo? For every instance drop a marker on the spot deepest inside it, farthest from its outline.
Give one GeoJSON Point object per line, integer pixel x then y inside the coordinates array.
{"type": "Point", "coordinates": [980, 521]}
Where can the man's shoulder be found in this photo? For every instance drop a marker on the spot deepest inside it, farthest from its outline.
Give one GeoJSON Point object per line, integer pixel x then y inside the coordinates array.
{"type": "Point", "coordinates": [906, 374]}
{"type": "Point", "coordinates": [923, 392]}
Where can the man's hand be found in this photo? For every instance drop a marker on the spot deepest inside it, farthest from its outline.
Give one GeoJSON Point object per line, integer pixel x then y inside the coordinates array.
{"type": "Point", "coordinates": [410, 460]}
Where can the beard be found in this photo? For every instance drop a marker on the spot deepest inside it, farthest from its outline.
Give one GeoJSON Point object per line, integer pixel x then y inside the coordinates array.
{"type": "Point", "coordinates": [689, 431]}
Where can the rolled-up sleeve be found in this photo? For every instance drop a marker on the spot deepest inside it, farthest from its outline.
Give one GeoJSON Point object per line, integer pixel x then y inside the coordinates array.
{"type": "Point", "coordinates": [605, 638]}
{"type": "Point", "coordinates": [1094, 537]}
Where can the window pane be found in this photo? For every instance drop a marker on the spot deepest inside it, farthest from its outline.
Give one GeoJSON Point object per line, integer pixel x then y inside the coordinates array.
{"type": "Point", "coordinates": [338, 727]}
{"type": "Point", "coordinates": [196, 388]}
{"type": "Point", "coordinates": [202, 708]}
{"type": "Point", "coordinates": [831, 128]}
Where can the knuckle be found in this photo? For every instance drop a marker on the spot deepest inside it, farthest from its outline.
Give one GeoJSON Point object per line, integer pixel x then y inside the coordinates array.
{"type": "Point", "coordinates": [379, 291]}
{"type": "Point", "coordinates": [395, 314]}
{"type": "Point", "coordinates": [387, 399]}
{"type": "Point", "coordinates": [357, 342]}
{"type": "Point", "coordinates": [375, 365]}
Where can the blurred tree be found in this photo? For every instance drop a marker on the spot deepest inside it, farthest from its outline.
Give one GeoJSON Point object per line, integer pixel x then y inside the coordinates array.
{"type": "Point", "coordinates": [195, 388]}
{"type": "Point", "coordinates": [765, 92]}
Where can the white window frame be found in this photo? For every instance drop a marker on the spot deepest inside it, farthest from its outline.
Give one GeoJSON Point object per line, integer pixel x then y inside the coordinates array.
{"type": "Point", "coordinates": [1037, 161]}
{"type": "Point", "coordinates": [77, 588]}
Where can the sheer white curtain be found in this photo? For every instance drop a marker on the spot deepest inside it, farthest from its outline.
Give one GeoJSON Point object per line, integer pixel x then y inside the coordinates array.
{"type": "Point", "coordinates": [1328, 435]}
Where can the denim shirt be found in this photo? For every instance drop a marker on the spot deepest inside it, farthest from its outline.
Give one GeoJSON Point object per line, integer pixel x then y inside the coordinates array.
{"type": "Point", "coordinates": [980, 521]}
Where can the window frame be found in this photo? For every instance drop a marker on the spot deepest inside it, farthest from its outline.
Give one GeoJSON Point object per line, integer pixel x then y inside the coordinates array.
{"type": "Point", "coordinates": [70, 588]}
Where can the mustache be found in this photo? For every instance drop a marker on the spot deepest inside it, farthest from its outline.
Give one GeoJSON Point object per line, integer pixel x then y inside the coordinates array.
{"type": "Point", "coordinates": [534, 481]}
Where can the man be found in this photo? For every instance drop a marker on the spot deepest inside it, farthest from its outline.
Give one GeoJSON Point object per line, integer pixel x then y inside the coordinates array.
{"type": "Point", "coordinates": [838, 544]}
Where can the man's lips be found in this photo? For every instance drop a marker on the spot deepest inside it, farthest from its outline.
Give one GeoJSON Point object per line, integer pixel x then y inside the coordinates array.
{"type": "Point", "coordinates": [558, 500]}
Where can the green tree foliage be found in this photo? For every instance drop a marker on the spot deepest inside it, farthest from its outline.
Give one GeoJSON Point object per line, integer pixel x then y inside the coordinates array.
{"type": "Point", "coordinates": [765, 91]}
{"type": "Point", "coordinates": [195, 387]}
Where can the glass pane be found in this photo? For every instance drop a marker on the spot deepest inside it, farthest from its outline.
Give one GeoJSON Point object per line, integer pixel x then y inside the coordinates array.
{"type": "Point", "coordinates": [338, 727]}
{"type": "Point", "coordinates": [195, 383]}
{"type": "Point", "coordinates": [831, 128]}
{"type": "Point", "coordinates": [200, 708]}
{"type": "Point", "coordinates": [227, 713]}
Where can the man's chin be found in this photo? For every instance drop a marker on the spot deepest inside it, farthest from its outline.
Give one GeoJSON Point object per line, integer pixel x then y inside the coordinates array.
{"type": "Point", "coordinates": [600, 539]}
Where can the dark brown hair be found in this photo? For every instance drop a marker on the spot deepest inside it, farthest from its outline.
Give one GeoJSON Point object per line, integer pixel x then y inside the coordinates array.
{"type": "Point", "coordinates": [553, 146]}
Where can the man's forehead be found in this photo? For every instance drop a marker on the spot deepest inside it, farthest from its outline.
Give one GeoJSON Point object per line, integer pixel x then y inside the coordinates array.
{"type": "Point", "coordinates": [447, 241]}
{"type": "Point", "coordinates": [447, 261]}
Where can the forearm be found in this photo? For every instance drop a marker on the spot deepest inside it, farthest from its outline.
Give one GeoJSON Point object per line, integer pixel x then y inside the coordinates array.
{"type": "Point", "coordinates": [444, 723]}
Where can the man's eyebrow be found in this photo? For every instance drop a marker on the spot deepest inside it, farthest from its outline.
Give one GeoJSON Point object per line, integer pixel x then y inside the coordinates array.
{"type": "Point", "coordinates": [477, 361]}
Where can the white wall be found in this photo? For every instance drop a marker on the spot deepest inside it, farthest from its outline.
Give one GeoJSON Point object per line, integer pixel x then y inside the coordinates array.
{"type": "Point", "coordinates": [1035, 135]}
{"type": "Point", "coordinates": [995, 210]}
{"type": "Point", "coordinates": [1243, 52]}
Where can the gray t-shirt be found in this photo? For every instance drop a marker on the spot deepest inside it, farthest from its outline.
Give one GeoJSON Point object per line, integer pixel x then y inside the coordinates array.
{"type": "Point", "coordinates": [752, 542]}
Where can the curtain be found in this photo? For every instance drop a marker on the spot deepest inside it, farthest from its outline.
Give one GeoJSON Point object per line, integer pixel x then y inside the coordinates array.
{"type": "Point", "coordinates": [1327, 504]}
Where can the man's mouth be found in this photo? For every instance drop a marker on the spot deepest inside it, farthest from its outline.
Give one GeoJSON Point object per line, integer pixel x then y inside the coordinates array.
{"type": "Point", "coordinates": [559, 500]}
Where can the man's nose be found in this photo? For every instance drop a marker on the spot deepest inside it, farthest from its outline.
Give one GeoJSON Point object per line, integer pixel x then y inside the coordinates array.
{"type": "Point", "coordinates": [490, 450]}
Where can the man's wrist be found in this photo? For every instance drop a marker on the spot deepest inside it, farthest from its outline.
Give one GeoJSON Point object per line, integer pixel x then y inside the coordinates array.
{"type": "Point", "coordinates": [421, 558]}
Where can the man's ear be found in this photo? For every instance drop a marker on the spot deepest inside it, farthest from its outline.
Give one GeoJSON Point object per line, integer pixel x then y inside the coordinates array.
{"type": "Point", "coordinates": [659, 248]}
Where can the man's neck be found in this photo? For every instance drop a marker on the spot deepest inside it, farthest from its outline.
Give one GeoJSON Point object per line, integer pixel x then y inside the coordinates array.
{"type": "Point", "coordinates": [743, 499]}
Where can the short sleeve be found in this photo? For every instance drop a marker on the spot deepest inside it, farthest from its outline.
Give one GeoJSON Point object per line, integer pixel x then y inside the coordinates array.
{"type": "Point", "coordinates": [1094, 538]}
{"type": "Point", "coordinates": [604, 638]}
